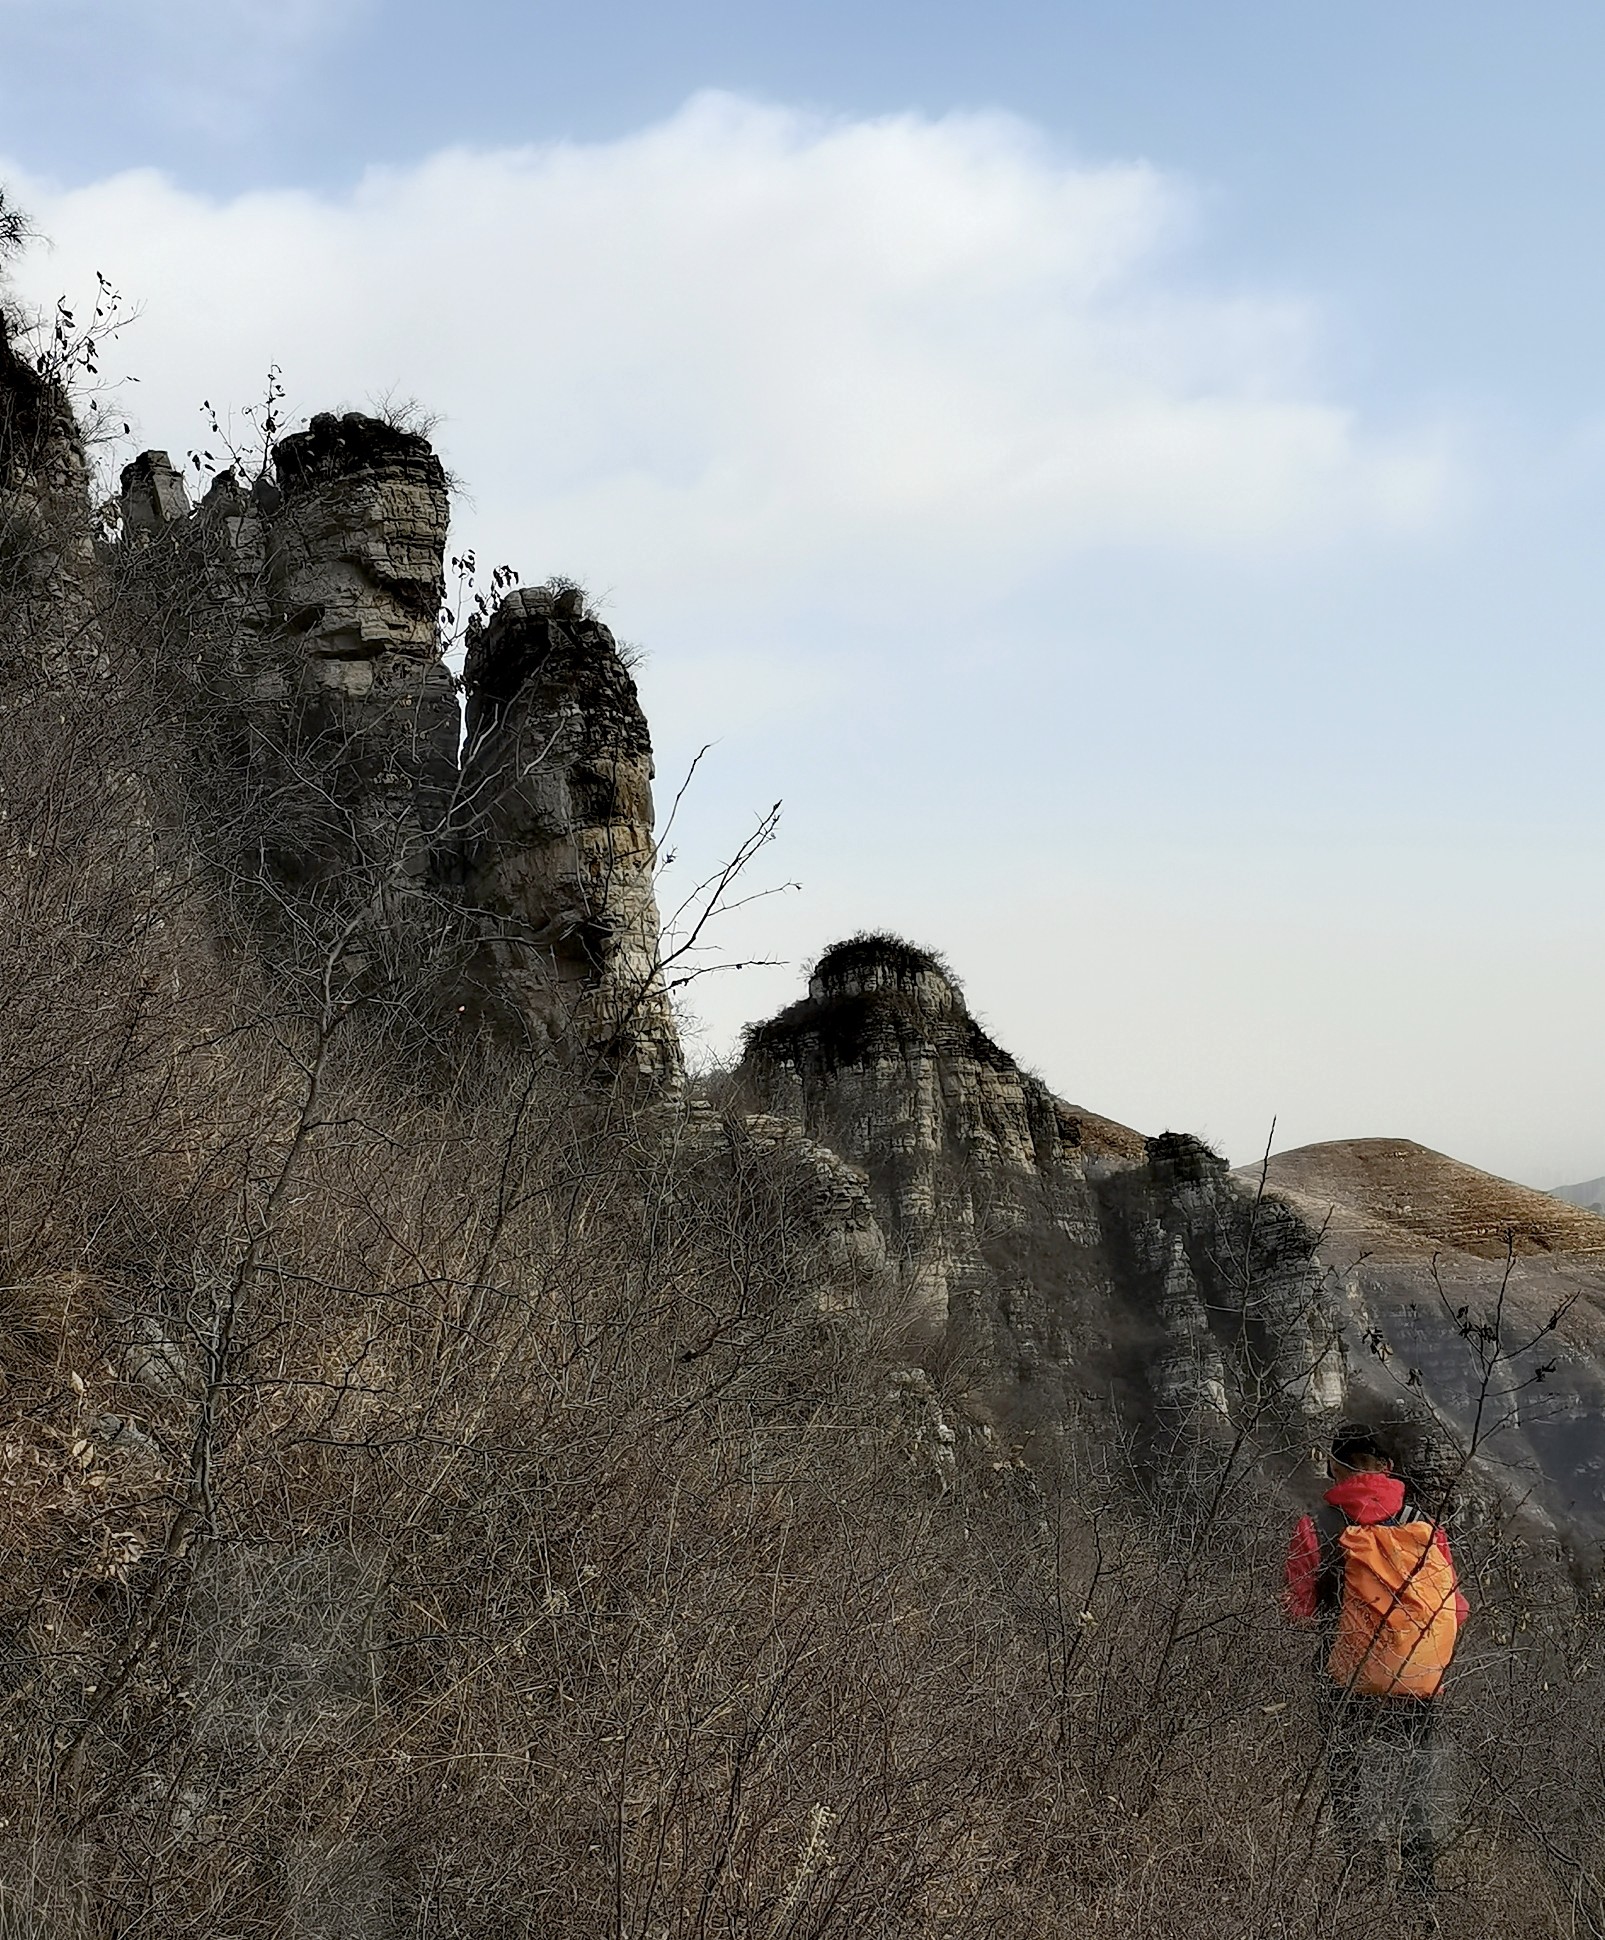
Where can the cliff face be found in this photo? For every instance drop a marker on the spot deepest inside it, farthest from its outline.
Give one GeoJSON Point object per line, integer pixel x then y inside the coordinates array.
{"type": "Point", "coordinates": [1065, 1258]}
{"type": "Point", "coordinates": [46, 550]}
{"type": "Point", "coordinates": [883, 1061]}
{"type": "Point", "coordinates": [557, 832]}
{"type": "Point", "coordinates": [438, 1484]}
{"type": "Point", "coordinates": [1067, 1255]}
{"type": "Point", "coordinates": [516, 886]}
{"type": "Point", "coordinates": [311, 606]}
{"type": "Point", "coordinates": [1474, 1295]}
{"type": "Point", "coordinates": [355, 576]}
{"type": "Point", "coordinates": [1073, 1263]}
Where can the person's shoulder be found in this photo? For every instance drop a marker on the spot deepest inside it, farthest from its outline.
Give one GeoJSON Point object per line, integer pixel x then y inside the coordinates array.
{"type": "Point", "coordinates": [1327, 1520]}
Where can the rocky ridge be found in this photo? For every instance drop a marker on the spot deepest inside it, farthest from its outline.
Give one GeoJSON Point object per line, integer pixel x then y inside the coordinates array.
{"type": "Point", "coordinates": [1067, 1260]}
{"type": "Point", "coordinates": [515, 873]}
{"type": "Point", "coordinates": [1066, 1256]}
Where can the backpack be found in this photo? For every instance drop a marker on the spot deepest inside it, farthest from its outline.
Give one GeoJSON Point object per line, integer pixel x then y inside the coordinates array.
{"type": "Point", "coordinates": [1396, 1627]}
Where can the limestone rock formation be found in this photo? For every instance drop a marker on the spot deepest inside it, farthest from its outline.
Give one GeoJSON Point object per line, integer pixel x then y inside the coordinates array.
{"type": "Point", "coordinates": [316, 676]}
{"type": "Point", "coordinates": [1068, 1259]}
{"type": "Point", "coordinates": [46, 549]}
{"type": "Point", "coordinates": [1067, 1255]}
{"type": "Point", "coordinates": [319, 694]}
{"type": "Point", "coordinates": [154, 497]}
{"type": "Point", "coordinates": [558, 850]}
{"type": "Point", "coordinates": [354, 573]}
{"type": "Point", "coordinates": [883, 1061]}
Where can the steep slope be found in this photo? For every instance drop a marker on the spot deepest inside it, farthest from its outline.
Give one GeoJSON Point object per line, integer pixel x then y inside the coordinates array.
{"type": "Point", "coordinates": [1402, 1198]}
{"type": "Point", "coordinates": [1067, 1259]}
{"type": "Point", "coordinates": [447, 1494]}
{"type": "Point", "coordinates": [1473, 1299]}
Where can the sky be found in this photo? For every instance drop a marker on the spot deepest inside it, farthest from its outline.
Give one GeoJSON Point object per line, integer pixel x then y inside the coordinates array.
{"type": "Point", "coordinates": [1127, 476]}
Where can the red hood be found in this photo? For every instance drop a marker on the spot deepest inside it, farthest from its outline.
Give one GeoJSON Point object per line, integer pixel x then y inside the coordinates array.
{"type": "Point", "coordinates": [1367, 1497]}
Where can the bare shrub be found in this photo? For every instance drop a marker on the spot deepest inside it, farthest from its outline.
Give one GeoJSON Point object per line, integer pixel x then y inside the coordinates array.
{"type": "Point", "coordinates": [445, 1496]}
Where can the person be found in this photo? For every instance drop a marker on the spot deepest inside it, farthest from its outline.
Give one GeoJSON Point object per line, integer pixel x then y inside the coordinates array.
{"type": "Point", "coordinates": [1374, 1574]}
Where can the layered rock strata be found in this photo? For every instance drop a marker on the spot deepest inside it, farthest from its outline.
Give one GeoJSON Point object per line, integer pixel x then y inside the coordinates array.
{"type": "Point", "coordinates": [883, 1061]}
{"type": "Point", "coordinates": [309, 606]}
{"type": "Point", "coordinates": [46, 547]}
{"type": "Point", "coordinates": [354, 572]}
{"type": "Point", "coordinates": [318, 701]}
{"type": "Point", "coordinates": [1066, 1255]}
{"type": "Point", "coordinates": [557, 821]}
{"type": "Point", "coordinates": [1474, 1315]}
{"type": "Point", "coordinates": [153, 499]}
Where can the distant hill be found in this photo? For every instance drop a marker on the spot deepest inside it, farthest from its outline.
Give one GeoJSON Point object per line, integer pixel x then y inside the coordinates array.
{"type": "Point", "coordinates": [1590, 1194]}
{"type": "Point", "coordinates": [1406, 1199]}
{"type": "Point", "coordinates": [1422, 1243]}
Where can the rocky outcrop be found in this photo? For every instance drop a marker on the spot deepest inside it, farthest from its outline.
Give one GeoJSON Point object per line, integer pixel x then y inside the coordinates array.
{"type": "Point", "coordinates": [1473, 1315]}
{"type": "Point", "coordinates": [46, 549]}
{"type": "Point", "coordinates": [557, 834]}
{"type": "Point", "coordinates": [1073, 1261]}
{"type": "Point", "coordinates": [316, 686]}
{"type": "Point", "coordinates": [883, 1061]}
{"type": "Point", "coordinates": [366, 708]}
{"type": "Point", "coordinates": [323, 718]}
{"type": "Point", "coordinates": [1067, 1259]}
{"type": "Point", "coordinates": [153, 499]}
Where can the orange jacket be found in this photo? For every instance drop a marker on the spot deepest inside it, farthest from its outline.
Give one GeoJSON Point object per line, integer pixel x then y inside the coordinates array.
{"type": "Point", "coordinates": [1314, 1582]}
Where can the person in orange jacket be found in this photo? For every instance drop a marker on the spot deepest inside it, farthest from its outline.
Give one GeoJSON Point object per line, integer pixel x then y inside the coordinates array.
{"type": "Point", "coordinates": [1360, 1569]}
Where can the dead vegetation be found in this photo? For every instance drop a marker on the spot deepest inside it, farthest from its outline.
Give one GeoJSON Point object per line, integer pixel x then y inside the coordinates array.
{"type": "Point", "coordinates": [443, 1499]}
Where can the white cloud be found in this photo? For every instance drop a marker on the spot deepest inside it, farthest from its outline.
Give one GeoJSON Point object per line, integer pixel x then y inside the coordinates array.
{"type": "Point", "coordinates": [830, 407]}
{"type": "Point", "coordinates": [789, 357]}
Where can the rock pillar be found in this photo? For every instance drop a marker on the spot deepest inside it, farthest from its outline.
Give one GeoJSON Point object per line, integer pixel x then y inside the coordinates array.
{"type": "Point", "coordinates": [366, 714]}
{"type": "Point", "coordinates": [153, 497]}
{"type": "Point", "coordinates": [559, 853]}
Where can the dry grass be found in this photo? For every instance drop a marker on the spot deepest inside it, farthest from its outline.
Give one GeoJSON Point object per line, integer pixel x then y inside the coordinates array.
{"type": "Point", "coordinates": [442, 1500]}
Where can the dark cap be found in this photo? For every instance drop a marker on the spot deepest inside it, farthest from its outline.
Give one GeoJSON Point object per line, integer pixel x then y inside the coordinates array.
{"type": "Point", "coordinates": [1353, 1442]}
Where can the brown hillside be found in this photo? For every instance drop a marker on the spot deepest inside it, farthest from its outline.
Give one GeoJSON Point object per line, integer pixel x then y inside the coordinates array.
{"type": "Point", "coordinates": [1414, 1199]}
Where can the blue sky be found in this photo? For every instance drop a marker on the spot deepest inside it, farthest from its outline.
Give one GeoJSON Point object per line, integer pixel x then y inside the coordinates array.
{"type": "Point", "coordinates": [1128, 475]}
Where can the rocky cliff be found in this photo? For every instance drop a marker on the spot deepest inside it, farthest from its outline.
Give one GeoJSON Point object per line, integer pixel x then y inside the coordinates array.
{"type": "Point", "coordinates": [556, 831]}
{"type": "Point", "coordinates": [363, 705]}
{"type": "Point", "coordinates": [461, 1477]}
{"type": "Point", "coordinates": [1070, 1263]}
{"type": "Point", "coordinates": [1068, 1260]}
{"type": "Point", "coordinates": [1473, 1308]}
{"type": "Point", "coordinates": [46, 548]}
{"type": "Point", "coordinates": [507, 880]}
{"type": "Point", "coordinates": [1063, 1260]}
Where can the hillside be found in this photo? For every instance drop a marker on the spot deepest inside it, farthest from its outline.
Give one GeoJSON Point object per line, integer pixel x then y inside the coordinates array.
{"type": "Point", "coordinates": [1478, 1296]}
{"type": "Point", "coordinates": [1400, 1197]}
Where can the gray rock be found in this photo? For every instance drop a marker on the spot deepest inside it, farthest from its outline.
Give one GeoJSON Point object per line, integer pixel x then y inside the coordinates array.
{"type": "Point", "coordinates": [558, 855]}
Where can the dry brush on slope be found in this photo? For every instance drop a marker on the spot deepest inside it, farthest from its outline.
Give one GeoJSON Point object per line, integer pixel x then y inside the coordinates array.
{"type": "Point", "coordinates": [447, 1496]}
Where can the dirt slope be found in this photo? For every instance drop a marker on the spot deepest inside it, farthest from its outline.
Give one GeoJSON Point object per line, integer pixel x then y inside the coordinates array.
{"type": "Point", "coordinates": [1406, 1200]}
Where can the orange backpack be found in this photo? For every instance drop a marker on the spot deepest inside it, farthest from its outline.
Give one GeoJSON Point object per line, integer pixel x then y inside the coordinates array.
{"type": "Point", "coordinates": [1396, 1624]}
